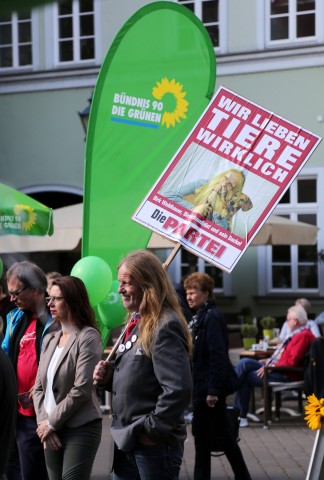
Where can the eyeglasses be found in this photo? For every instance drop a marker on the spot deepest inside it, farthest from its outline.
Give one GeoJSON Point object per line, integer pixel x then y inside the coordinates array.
{"type": "Point", "coordinates": [16, 293]}
{"type": "Point", "coordinates": [53, 299]}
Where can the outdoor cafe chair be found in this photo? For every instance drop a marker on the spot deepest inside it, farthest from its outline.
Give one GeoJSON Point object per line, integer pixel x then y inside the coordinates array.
{"type": "Point", "coordinates": [272, 391]}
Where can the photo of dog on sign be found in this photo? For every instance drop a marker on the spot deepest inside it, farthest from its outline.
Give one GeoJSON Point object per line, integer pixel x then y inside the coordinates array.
{"type": "Point", "coordinates": [217, 199]}
{"type": "Point", "coordinates": [239, 201]}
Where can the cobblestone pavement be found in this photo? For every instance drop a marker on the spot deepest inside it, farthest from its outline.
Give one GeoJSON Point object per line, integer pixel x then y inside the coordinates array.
{"type": "Point", "coordinates": [278, 453]}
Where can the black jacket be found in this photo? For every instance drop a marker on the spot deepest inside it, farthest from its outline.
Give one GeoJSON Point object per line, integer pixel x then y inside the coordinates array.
{"type": "Point", "coordinates": [210, 353]}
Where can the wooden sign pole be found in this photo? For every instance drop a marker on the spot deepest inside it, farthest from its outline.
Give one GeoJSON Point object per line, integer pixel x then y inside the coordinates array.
{"type": "Point", "coordinates": [114, 349]}
{"type": "Point", "coordinates": [168, 261]}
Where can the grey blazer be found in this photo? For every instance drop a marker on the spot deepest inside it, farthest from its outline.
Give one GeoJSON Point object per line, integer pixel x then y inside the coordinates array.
{"type": "Point", "coordinates": [151, 393]}
{"type": "Point", "coordinates": [75, 396]}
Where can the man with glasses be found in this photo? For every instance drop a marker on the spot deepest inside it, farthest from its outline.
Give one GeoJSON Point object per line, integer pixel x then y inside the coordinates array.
{"type": "Point", "coordinates": [291, 353]}
{"type": "Point", "coordinates": [26, 327]}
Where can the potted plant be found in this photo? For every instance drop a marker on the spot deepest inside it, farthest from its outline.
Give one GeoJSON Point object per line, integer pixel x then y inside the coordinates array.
{"type": "Point", "coordinates": [268, 324]}
{"type": "Point", "coordinates": [249, 333]}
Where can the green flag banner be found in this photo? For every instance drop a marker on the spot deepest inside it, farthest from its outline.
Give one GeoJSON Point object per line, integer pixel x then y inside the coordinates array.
{"type": "Point", "coordinates": [22, 215]}
{"type": "Point", "coordinates": [157, 79]}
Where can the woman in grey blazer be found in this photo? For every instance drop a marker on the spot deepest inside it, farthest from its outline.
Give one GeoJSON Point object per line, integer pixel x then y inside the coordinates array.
{"type": "Point", "coordinates": [68, 413]}
{"type": "Point", "coordinates": [152, 382]}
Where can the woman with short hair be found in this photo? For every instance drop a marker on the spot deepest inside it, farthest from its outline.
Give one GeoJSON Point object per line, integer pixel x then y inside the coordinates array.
{"type": "Point", "coordinates": [211, 371]}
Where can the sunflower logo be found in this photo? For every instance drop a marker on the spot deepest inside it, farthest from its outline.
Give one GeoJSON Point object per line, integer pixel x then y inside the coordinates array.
{"type": "Point", "coordinates": [28, 216]}
{"type": "Point", "coordinates": [173, 99]}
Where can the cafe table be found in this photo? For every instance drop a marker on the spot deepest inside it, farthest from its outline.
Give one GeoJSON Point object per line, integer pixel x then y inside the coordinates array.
{"type": "Point", "coordinates": [257, 354]}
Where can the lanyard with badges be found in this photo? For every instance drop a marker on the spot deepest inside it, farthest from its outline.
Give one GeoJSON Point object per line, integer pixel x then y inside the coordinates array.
{"type": "Point", "coordinates": [120, 347]}
{"type": "Point", "coordinates": [132, 324]}
{"type": "Point", "coordinates": [128, 345]}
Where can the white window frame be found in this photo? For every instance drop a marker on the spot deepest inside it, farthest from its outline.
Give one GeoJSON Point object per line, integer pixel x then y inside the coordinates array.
{"type": "Point", "coordinates": [15, 44]}
{"type": "Point", "coordinates": [222, 19]}
{"type": "Point", "coordinates": [292, 209]}
{"type": "Point", "coordinates": [293, 40]}
{"type": "Point", "coordinates": [52, 39]}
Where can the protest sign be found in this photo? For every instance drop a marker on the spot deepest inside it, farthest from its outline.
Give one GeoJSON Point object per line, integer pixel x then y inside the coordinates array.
{"type": "Point", "coordinates": [226, 178]}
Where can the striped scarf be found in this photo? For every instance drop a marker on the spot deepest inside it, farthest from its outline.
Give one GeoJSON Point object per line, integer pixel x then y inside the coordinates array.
{"type": "Point", "coordinates": [275, 357]}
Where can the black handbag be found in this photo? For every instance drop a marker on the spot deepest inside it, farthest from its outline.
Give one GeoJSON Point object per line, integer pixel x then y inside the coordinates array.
{"type": "Point", "coordinates": [233, 425]}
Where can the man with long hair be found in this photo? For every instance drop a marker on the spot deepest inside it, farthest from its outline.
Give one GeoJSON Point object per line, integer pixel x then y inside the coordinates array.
{"type": "Point", "coordinates": [151, 382]}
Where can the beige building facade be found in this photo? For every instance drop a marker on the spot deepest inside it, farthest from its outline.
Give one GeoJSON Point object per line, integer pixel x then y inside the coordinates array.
{"type": "Point", "coordinates": [271, 52]}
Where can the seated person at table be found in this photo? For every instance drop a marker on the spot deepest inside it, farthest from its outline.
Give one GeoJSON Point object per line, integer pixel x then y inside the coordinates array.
{"type": "Point", "coordinates": [290, 353]}
{"type": "Point", "coordinates": [311, 324]}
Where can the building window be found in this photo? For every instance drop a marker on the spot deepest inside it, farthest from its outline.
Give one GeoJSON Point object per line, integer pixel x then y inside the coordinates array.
{"type": "Point", "coordinates": [295, 267]}
{"type": "Point", "coordinates": [186, 263]}
{"type": "Point", "coordinates": [211, 13]}
{"type": "Point", "coordinates": [76, 31]}
{"type": "Point", "coordinates": [16, 40]}
{"type": "Point", "coordinates": [292, 21]}
{"type": "Point", "coordinates": [190, 263]}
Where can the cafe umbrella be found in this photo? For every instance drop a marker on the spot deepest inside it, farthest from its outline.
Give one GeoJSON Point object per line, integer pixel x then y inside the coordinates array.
{"type": "Point", "coordinates": [23, 215]}
{"type": "Point", "coordinates": [279, 230]}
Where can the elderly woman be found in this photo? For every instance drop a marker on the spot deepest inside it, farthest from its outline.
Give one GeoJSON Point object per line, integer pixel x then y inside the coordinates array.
{"type": "Point", "coordinates": [211, 370]}
{"type": "Point", "coordinates": [68, 412]}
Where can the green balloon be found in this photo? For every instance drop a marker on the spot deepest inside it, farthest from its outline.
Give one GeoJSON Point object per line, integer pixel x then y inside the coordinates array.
{"type": "Point", "coordinates": [96, 275]}
{"type": "Point", "coordinates": [1, 267]}
{"type": "Point", "coordinates": [111, 310]}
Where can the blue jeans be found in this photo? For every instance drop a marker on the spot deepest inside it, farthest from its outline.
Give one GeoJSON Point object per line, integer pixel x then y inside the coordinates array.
{"type": "Point", "coordinates": [147, 462]}
{"type": "Point", "coordinates": [246, 371]}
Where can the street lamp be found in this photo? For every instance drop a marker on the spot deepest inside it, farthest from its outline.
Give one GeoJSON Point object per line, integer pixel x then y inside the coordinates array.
{"type": "Point", "coordinates": [84, 116]}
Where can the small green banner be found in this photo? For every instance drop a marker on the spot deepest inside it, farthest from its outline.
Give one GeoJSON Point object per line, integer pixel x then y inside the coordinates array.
{"type": "Point", "coordinates": [22, 215]}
